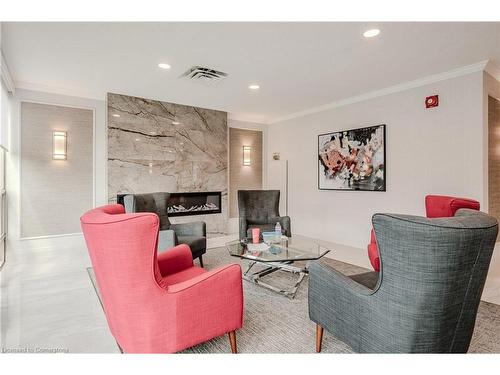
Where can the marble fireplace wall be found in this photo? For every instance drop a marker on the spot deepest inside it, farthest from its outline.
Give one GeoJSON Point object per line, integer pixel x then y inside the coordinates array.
{"type": "Point", "coordinates": [158, 146]}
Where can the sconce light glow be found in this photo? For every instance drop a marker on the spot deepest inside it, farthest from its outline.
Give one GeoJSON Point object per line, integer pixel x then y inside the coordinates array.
{"type": "Point", "coordinates": [163, 66]}
{"type": "Point", "coordinates": [59, 145]}
{"type": "Point", "coordinates": [246, 155]}
{"type": "Point", "coordinates": [371, 33]}
{"type": "Point", "coordinates": [254, 87]}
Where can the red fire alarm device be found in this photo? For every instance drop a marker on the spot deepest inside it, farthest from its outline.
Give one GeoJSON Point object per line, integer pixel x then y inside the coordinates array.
{"type": "Point", "coordinates": [432, 101]}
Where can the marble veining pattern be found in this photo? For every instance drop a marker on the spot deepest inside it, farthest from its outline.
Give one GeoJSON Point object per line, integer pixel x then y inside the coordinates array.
{"type": "Point", "coordinates": [159, 146]}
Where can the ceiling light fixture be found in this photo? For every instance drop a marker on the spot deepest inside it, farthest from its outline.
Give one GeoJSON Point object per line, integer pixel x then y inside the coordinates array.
{"type": "Point", "coordinates": [175, 123]}
{"type": "Point", "coordinates": [371, 33]}
{"type": "Point", "coordinates": [254, 87]}
{"type": "Point", "coordinates": [115, 115]}
{"type": "Point", "coordinates": [164, 66]}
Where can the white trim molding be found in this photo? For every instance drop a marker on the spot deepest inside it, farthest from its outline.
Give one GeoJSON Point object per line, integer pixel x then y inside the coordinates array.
{"type": "Point", "coordinates": [493, 70]}
{"type": "Point", "coordinates": [477, 67]}
{"type": "Point", "coordinates": [64, 91]}
{"type": "Point", "coordinates": [6, 76]}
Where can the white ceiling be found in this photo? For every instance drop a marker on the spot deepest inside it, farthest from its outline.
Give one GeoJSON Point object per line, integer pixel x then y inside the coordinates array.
{"type": "Point", "coordinates": [298, 65]}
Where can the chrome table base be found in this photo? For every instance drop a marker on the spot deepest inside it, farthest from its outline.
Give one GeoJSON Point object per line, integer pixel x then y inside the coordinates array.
{"type": "Point", "coordinates": [271, 267]}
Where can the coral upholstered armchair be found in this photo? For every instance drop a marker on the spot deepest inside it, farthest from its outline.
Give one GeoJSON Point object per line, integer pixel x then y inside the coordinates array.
{"type": "Point", "coordinates": [435, 206]}
{"type": "Point", "coordinates": [157, 303]}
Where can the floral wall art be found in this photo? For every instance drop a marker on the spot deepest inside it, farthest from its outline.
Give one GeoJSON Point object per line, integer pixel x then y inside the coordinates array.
{"type": "Point", "coordinates": [352, 159]}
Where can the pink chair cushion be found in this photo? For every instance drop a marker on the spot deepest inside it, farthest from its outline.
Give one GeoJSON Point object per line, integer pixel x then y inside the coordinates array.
{"type": "Point", "coordinates": [156, 304]}
{"type": "Point", "coordinates": [373, 256]}
{"type": "Point", "coordinates": [184, 275]}
{"type": "Point", "coordinates": [444, 206]}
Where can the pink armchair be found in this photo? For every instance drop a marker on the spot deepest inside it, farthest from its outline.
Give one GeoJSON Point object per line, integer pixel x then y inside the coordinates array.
{"type": "Point", "coordinates": [157, 304]}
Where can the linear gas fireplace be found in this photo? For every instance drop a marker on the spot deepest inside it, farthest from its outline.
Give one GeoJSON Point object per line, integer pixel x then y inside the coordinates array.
{"type": "Point", "coordinates": [197, 203]}
{"type": "Point", "coordinates": [185, 204]}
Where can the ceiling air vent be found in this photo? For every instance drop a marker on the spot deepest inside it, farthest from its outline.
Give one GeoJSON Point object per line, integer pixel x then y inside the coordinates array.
{"type": "Point", "coordinates": [205, 75]}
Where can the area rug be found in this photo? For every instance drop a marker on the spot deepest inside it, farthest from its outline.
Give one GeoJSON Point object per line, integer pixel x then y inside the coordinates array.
{"type": "Point", "coordinates": [276, 324]}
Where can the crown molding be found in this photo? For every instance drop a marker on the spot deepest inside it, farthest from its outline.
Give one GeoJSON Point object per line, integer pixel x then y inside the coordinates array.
{"type": "Point", "coordinates": [6, 76]}
{"type": "Point", "coordinates": [21, 85]}
{"type": "Point", "coordinates": [468, 69]}
{"type": "Point", "coordinates": [259, 120]}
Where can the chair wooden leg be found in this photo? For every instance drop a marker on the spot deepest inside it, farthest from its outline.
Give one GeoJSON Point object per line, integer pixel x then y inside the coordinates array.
{"type": "Point", "coordinates": [319, 337]}
{"type": "Point", "coordinates": [119, 347]}
{"type": "Point", "coordinates": [232, 340]}
{"type": "Point", "coordinates": [201, 261]}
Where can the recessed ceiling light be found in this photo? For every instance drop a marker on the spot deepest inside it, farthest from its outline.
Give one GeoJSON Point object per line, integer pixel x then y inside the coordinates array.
{"type": "Point", "coordinates": [371, 33]}
{"type": "Point", "coordinates": [175, 123]}
{"type": "Point", "coordinates": [254, 87]}
{"type": "Point", "coordinates": [115, 115]}
{"type": "Point", "coordinates": [163, 66]}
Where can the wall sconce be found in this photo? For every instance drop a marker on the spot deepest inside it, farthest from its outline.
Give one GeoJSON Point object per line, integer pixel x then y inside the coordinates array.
{"type": "Point", "coordinates": [59, 145]}
{"type": "Point", "coordinates": [246, 155]}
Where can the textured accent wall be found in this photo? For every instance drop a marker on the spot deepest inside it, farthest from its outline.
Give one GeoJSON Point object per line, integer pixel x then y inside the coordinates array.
{"type": "Point", "coordinates": [245, 177]}
{"type": "Point", "coordinates": [494, 157]}
{"type": "Point", "coordinates": [55, 193]}
{"type": "Point", "coordinates": [158, 146]}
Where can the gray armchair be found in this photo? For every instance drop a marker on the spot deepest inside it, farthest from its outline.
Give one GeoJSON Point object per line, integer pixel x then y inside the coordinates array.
{"type": "Point", "coordinates": [260, 209]}
{"type": "Point", "coordinates": [426, 296]}
{"type": "Point", "coordinates": [193, 234]}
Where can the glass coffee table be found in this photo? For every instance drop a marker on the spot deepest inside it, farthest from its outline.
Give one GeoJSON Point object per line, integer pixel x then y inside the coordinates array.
{"type": "Point", "coordinates": [280, 256]}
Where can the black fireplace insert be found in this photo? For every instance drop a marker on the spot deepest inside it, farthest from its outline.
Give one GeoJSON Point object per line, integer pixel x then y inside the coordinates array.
{"type": "Point", "coordinates": [195, 203]}
{"type": "Point", "coordinates": [192, 203]}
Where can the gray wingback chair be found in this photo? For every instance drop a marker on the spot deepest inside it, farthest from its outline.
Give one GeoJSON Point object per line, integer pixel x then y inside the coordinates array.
{"type": "Point", "coordinates": [426, 296]}
{"type": "Point", "coordinates": [260, 209]}
{"type": "Point", "coordinates": [193, 234]}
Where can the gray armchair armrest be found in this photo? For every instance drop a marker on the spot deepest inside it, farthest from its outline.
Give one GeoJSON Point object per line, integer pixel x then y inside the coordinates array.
{"type": "Point", "coordinates": [322, 276]}
{"type": "Point", "coordinates": [166, 239]}
{"type": "Point", "coordinates": [340, 305]}
{"type": "Point", "coordinates": [336, 302]}
{"type": "Point", "coordinates": [197, 229]}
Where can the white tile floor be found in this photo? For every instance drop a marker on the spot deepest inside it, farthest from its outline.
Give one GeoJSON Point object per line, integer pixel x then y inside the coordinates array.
{"type": "Point", "coordinates": [47, 300]}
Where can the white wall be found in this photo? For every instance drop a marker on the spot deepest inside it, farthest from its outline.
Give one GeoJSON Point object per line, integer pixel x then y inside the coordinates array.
{"type": "Point", "coordinates": [428, 151]}
{"type": "Point", "coordinates": [13, 162]}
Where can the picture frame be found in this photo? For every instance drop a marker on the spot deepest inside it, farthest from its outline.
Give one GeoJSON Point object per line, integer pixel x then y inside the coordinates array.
{"type": "Point", "coordinates": [353, 160]}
